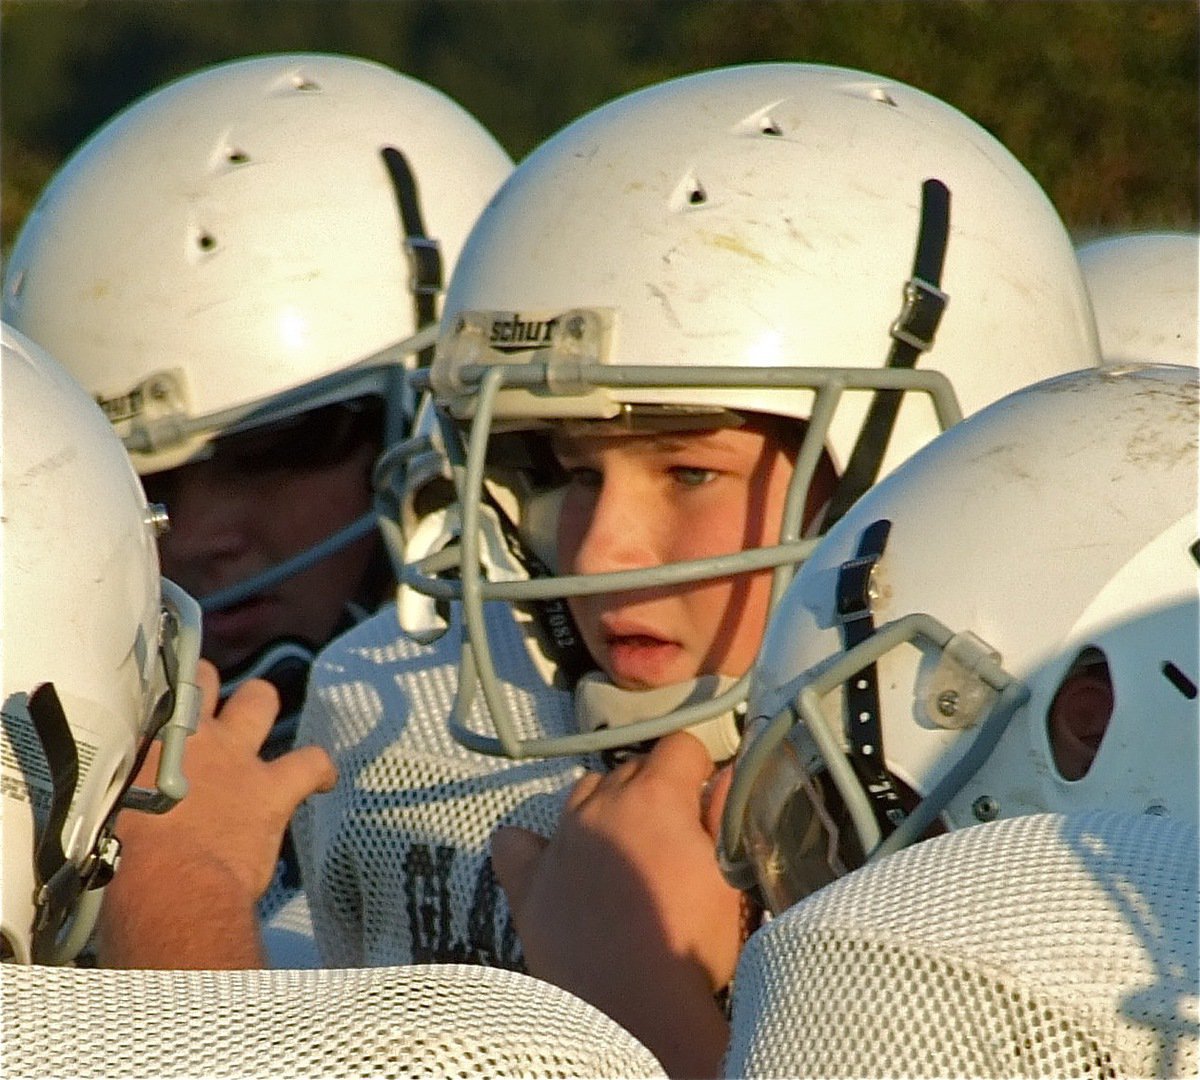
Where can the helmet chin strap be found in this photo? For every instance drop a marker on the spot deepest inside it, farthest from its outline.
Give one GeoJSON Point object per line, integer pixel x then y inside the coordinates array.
{"type": "Point", "coordinates": [912, 334]}
{"type": "Point", "coordinates": [284, 663]}
{"type": "Point", "coordinates": [424, 253]}
{"type": "Point", "coordinates": [600, 703]}
{"type": "Point", "coordinates": [60, 881]}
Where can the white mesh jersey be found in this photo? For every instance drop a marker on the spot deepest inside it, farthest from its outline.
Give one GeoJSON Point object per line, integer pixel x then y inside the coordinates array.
{"type": "Point", "coordinates": [287, 930]}
{"type": "Point", "coordinates": [435, 1021]}
{"type": "Point", "coordinates": [1043, 946]}
{"type": "Point", "coordinates": [395, 860]}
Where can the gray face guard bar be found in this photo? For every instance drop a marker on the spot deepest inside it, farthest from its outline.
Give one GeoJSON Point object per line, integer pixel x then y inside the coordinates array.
{"type": "Point", "coordinates": [799, 702]}
{"type": "Point", "coordinates": [384, 373]}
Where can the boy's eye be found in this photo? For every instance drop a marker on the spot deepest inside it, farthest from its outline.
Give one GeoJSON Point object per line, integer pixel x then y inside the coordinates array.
{"type": "Point", "coordinates": [583, 476]}
{"type": "Point", "coordinates": [692, 476]}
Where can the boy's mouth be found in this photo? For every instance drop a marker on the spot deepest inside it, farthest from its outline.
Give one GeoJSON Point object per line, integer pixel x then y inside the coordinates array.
{"type": "Point", "coordinates": [640, 660]}
{"type": "Point", "coordinates": [242, 624]}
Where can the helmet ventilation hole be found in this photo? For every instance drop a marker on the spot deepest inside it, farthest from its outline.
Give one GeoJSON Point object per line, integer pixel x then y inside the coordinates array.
{"type": "Point", "coordinates": [688, 193]}
{"type": "Point", "coordinates": [768, 126]}
{"type": "Point", "coordinates": [878, 93]}
{"type": "Point", "coordinates": [205, 241]}
{"type": "Point", "coordinates": [1179, 680]}
{"type": "Point", "coordinates": [237, 157]}
{"type": "Point", "coordinates": [304, 84]}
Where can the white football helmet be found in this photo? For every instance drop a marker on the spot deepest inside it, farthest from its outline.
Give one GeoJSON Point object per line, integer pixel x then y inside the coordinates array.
{"type": "Point", "coordinates": [924, 642]}
{"type": "Point", "coordinates": [254, 240]}
{"type": "Point", "coordinates": [767, 238]}
{"type": "Point", "coordinates": [1145, 291]}
{"type": "Point", "coordinates": [99, 655]}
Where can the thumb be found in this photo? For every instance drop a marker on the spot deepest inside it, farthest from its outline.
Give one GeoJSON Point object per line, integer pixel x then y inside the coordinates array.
{"type": "Point", "coordinates": [681, 760]}
{"type": "Point", "coordinates": [516, 853]}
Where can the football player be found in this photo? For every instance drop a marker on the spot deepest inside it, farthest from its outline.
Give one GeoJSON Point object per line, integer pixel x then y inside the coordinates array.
{"type": "Point", "coordinates": [240, 267]}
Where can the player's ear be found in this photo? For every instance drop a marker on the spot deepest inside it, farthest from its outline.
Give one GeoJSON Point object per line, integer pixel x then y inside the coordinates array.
{"type": "Point", "coordinates": [1079, 714]}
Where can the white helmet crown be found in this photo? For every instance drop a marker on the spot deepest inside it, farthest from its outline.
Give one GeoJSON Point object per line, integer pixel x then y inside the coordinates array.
{"type": "Point", "coordinates": [255, 239]}
{"type": "Point", "coordinates": [1145, 290]}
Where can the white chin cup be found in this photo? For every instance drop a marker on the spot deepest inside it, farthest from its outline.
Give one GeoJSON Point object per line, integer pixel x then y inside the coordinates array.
{"type": "Point", "coordinates": [599, 703]}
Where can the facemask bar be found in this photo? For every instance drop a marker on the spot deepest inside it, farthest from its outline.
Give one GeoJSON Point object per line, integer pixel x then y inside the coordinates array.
{"type": "Point", "coordinates": [180, 652]}
{"type": "Point", "coordinates": [297, 564]}
{"type": "Point", "coordinates": [171, 425]}
{"type": "Point", "coordinates": [391, 480]}
{"type": "Point", "coordinates": [800, 700]}
{"type": "Point", "coordinates": [827, 384]}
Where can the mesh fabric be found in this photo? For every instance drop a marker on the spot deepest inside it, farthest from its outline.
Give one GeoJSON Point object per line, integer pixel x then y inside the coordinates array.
{"type": "Point", "coordinates": [444, 1021]}
{"type": "Point", "coordinates": [1044, 946]}
{"type": "Point", "coordinates": [395, 859]}
{"type": "Point", "coordinates": [287, 930]}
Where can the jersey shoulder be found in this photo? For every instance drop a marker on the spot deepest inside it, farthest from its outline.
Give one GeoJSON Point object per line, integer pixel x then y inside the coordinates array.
{"type": "Point", "coordinates": [1043, 945]}
{"type": "Point", "coordinates": [442, 1020]}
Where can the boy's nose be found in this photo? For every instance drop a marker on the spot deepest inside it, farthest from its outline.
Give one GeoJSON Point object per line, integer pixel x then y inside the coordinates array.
{"type": "Point", "coordinates": [619, 533]}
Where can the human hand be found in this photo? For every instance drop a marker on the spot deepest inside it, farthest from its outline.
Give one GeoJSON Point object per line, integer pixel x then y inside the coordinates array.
{"type": "Point", "coordinates": [185, 888]}
{"type": "Point", "coordinates": [625, 905]}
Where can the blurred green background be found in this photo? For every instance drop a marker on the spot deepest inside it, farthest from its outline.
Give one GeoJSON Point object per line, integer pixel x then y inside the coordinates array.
{"type": "Point", "coordinates": [1097, 97]}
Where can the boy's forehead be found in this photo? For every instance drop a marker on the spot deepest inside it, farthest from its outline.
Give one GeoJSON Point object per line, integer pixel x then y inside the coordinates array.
{"type": "Point", "coordinates": [677, 432]}
{"type": "Point", "coordinates": [649, 423]}
{"type": "Point", "coordinates": [578, 437]}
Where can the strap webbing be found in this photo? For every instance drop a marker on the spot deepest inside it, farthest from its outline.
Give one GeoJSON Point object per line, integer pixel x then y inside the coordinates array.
{"type": "Point", "coordinates": [912, 334]}
{"type": "Point", "coordinates": [864, 729]}
{"type": "Point", "coordinates": [570, 654]}
{"type": "Point", "coordinates": [424, 254]}
{"type": "Point", "coordinates": [58, 883]}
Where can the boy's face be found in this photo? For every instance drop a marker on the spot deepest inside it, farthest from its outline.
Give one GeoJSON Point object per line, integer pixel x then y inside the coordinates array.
{"type": "Point", "coordinates": [643, 500]}
{"type": "Point", "coordinates": [246, 509]}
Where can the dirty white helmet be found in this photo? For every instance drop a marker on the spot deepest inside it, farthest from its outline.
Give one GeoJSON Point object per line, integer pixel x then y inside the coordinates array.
{"type": "Point", "coordinates": [255, 240]}
{"type": "Point", "coordinates": [1145, 293]}
{"type": "Point", "coordinates": [99, 655]}
{"type": "Point", "coordinates": [770, 239]}
{"type": "Point", "coordinates": [924, 642]}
